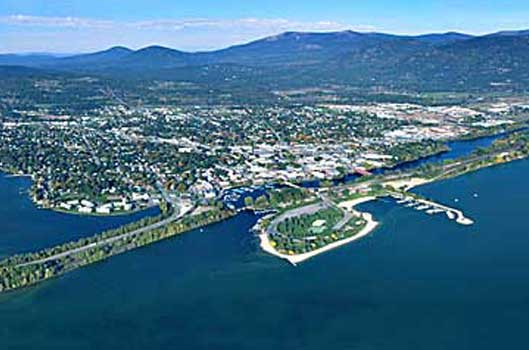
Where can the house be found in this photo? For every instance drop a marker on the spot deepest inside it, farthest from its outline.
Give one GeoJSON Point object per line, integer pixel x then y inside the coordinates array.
{"type": "Point", "coordinates": [85, 210]}
{"type": "Point", "coordinates": [104, 209]}
{"type": "Point", "coordinates": [87, 204]}
{"type": "Point", "coordinates": [65, 206]}
{"type": "Point", "coordinates": [140, 196]}
{"type": "Point", "coordinates": [318, 226]}
{"type": "Point", "coordinates": [319, 223]}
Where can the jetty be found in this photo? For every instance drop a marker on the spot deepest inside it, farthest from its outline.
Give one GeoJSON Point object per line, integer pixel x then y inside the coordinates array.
{"type": "Point", "coordinates": [431, 207]}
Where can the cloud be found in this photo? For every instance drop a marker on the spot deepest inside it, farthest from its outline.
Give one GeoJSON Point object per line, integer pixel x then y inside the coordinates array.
{"type": "Point", "coordinates": [59, 22]}
{"type": "Point", "coordinates": [74, 34]}
{"type": "Point", "coordinates": [265, 24]}
{"type": "Point", "coordinates": [243, 23]}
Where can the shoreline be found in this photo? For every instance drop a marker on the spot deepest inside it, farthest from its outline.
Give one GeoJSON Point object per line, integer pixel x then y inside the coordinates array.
{"type": "Point", "coordinates": [99, 215]}
{"type": "Point", "coordinates": [349, 205]}
{"type": "Point", "coordinates": [59, 210]}
{"type": "Point", "coordinates": [370, 226]}
{"type": "Point", "coordinates": [410, 183]}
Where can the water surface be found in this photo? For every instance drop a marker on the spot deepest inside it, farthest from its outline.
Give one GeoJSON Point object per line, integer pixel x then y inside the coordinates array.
{"type": "Point", "coordinates": [418, 282]}
{"type": "Point", "coordinates": [24, 227]}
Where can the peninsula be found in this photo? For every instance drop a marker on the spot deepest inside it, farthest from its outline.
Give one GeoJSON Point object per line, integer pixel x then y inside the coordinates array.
{"type": "Point", "coordinates": [307, 235]}
{"type": "Point", "coordinates": [307, 164]}
{"type": "Point", "coordinates": [303, 221]}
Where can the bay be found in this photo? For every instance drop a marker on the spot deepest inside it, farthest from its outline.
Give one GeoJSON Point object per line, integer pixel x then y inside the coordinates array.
{"type": "Point", "coordinates": [417, 282]}
{"type": "Point", "coordinates": [26, 228]}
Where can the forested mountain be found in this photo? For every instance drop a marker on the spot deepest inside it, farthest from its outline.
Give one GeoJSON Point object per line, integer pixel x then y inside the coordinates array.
{"type": "Point", "coordinates": [432, 62]}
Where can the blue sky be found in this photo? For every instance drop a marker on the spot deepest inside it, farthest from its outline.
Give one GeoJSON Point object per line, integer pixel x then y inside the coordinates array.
{"type": "Point", "coordinates": [86, 25]}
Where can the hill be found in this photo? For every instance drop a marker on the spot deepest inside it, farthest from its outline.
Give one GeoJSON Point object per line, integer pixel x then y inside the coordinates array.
{"type": "Point", "coordinates": [432, 62]}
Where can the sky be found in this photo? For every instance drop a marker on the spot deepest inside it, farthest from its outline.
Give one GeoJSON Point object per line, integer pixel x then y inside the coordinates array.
{"type": "Point", "coordinates": [74, 26]}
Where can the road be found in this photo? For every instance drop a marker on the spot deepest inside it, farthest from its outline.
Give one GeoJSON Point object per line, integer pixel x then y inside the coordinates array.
{"type": "Point", "coordinates": [311, 209]}
{"type": "Point", "coordinates": [110, 240]}
{"type": "Point", "coordinates": [272, 228]}
{"type": "Point", "coordinates": [348, 216]}
{"type": "Point", "coordinates": [95, 158]}
{"type": "Point", "coordinates": [307, 210]}
{"type": "Point", "coordinates": [448, 169]}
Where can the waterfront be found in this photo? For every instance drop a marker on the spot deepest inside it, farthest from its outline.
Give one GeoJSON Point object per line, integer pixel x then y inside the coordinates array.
{"type": "Point", "coordinates": [25, 227]}
{"type": "Point", "coordinates": [456, 149]}
{"type": "Point", "coordinates": [418, 281]}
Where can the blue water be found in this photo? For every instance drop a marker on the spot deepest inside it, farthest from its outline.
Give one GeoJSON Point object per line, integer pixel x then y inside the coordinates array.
{"type": "Point", "coordinates": [456, 149]}
{"type": "Point", "coordinates": [418, 282]}
{"type": "Point", "coordinates": [24, 227]}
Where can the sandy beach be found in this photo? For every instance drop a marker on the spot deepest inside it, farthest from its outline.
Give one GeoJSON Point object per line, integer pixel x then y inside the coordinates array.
{"type": "Point", "coordinates": [296, 259]}
{"type": "Point", "coordinates": [349, 205]}
{"type": "Point", "coordinates": [408, 184]}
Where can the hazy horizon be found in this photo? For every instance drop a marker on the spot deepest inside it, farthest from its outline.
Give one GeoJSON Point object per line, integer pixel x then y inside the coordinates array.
{"type": "Point", "coordinates": [74, 26]}
{"type": "Point", "coordinates": [135, 48]}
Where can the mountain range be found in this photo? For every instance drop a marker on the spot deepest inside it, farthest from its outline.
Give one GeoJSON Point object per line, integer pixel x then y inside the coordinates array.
{"type": "Point", "coordinates": [432, 62]}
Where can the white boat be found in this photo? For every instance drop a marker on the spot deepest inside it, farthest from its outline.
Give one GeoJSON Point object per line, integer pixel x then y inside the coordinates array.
{"type": "Point", "coordinates": [434, 211]}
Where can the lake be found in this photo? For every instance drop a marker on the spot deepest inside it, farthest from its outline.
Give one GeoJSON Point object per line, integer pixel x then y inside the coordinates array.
{"type": "Point", "coordinates": [417, 282]}
{"type": "Point", "coordinates": [24, 227]}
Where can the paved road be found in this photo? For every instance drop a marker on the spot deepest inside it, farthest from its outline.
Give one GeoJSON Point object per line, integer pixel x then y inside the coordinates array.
{"type": "Point", "coordinates": [110, 240]}
{"type": "Point", "coordinates": [311, 209]}
{"type": "Point", "coordinates": [272, 228]}
{"type": "Point", "coordinates": [347, 216]}
{"type": "Point", "coordinates": [307, 210]}
{"type": "Point", "coordinates": [447, 170]}
{"type": "Point", "coordinates": [95, 158]}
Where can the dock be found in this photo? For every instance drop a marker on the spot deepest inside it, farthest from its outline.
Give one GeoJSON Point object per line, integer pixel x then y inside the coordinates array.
{"type": "Point", "coordinates": [432, 208]}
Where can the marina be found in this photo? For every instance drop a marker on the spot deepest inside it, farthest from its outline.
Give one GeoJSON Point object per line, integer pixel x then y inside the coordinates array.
{"type": "Point", "coordinates": [177, 284]}
{"type": "Point", "coordinates": [431, 207]}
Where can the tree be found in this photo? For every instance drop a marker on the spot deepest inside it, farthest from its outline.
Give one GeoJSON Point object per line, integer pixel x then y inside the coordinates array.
{"type": "Point", "coordinates": [248, 202]}
{"type": "Point", "coordinates": [181, 187]}
{"type": "Point", "coordinates": [377, 187]}
{"type": "Point", "coordinates": [164, 207]}
{"type": "Point", "coordinates": [327, 183]}
{"type": "Point", "coordinates": [261, 202]}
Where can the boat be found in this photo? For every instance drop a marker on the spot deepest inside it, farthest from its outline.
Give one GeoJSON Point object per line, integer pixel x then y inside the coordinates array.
{"type": "Point", "coordinates": [434, 211]}
{"type": "Point", "coordinates": [450, 215]}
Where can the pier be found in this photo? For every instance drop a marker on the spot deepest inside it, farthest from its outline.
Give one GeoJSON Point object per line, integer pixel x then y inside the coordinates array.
{"type": "Point", "coordinates": [431, 208]}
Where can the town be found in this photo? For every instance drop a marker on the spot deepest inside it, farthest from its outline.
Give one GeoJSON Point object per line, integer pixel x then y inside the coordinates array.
{"type": "Point", "coordinates": [116, 159]}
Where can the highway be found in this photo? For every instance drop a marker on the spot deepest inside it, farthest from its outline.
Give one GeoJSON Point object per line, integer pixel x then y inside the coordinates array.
{"type": "Point", "coordinates": [110, 240]}
{"type": "Point", "coordinates": [272, 228]}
